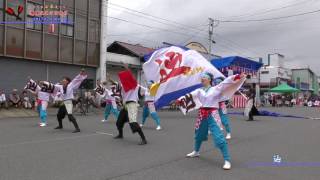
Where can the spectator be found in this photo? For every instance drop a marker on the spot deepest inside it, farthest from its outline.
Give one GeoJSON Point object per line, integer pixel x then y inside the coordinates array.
{"type": "Point", "coordinates": [26, 100]}
{"type": "Point", "coordinates": [317, 103]}
{"type": "Point", "coordinates": [293, 102]}
{"type": "Point", "coordinates": [14, 99]}
{"type": "Point", "coordinates": [3, 100]}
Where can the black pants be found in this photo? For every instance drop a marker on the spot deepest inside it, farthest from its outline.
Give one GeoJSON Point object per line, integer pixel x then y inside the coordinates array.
{"type": "Point", "coordinates": [124, 118]}
{"type": "Point", "coordinates": [254, 111]}
{"type": "Point", "coordinates": [62, 112]}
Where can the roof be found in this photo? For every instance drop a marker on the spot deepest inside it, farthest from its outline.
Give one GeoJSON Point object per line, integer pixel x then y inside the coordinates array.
{"type": "Point", "coordinates": [134, 49]}
{"type": "Point", "coordinates": [284, 88]}
{"type": "Point", "coordinates": [236, 60]}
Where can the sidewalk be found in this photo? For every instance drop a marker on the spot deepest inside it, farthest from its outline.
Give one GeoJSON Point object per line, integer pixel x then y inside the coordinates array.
{"type": "Point", "coordinates": [25, 113]}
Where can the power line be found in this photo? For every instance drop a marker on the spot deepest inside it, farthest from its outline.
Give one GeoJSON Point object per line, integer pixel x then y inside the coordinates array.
{"type": "Point", "coordinates": [161, 22]}
{"type": "Point", "coordinates": [272, 9]}
{"type": "Point", "coordinates": [236, 44]}
{"type": "Point", "coordinates": [148, 26]}
{"type": "Point", "coordinates": [271, 19]}
{"type": "Point", "coordinates": [150, 15]}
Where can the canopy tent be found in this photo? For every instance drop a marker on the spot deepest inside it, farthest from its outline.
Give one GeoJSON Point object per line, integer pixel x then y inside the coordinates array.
{"type": "Point", "coordinates": [284, 88]}
{"type": "Point", "coordinates": [236, 65]}
{"type": "Point", "coordinates": [238, 61]}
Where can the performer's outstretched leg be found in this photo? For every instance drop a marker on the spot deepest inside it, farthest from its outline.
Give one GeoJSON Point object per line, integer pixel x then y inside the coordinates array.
{"type": "Point", "coordinates": [225, 123]}
{"type": "Point", "coordinates": [107, 110]}
{"type": "Point", "coordinates": [132, 116]}
{"type": "Point", "coordinates": [201, 134]}
{"type": "Point", "coordinates": [220, 141]}
{"type": "Point", "coordinates": [74, 122]}
{"type": "Point", "coordinates": [122, 119]}
{"type": "Point", "coordinates": [145, 115]}
{"type": "Point", "coordinates": [156, 118]}
{"type": "Point", "coordinates": [115, 112]}
{"type": "Point", "coordinates": [61, 115]}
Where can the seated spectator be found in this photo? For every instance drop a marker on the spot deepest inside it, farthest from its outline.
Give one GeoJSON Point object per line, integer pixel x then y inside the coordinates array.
{"type": "Point", "coordinates": [14, 99]}
{"type": "Point", "coordinates": [317, 103]}
{"type": "Point", "coordinates": [310, 103]}
{"type": "Point", "coordinates": [26, 100]}
{"type": "Point", "coordinates": [3, 100]}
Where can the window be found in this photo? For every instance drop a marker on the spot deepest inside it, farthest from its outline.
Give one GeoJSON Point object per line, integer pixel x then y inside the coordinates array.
{"type": "Point", "coordinates": [80, 54]}
{"type": "Point", "coordinates": [1, 10]}
{"type": "Point", "coordinates": [81, 27]}
{"type": "Point", "coordinates": [95, 8]}
{"type": "Point", "coordinates": [82, 5]}
{"type": "Point", "coordinates": [50, 47]}
{"type": "Point", "coordinates": [68, 3]}
{"type": "Point", "coordinates": [37, 1]}
{"type": "Point", "coordinates": [34, 42]}
{"type": "Point", "coordinates": [264, 72]}
{"type": "Point", "coordinates": [93, 54]}
{"type": "Point", "coordinates": [14, 42]}
{"type": "Point", "coordinates": [66, 49]}
{"type": "Point", "coordinates": [1, 39]}
{"type": "Point", "coordinates": [94, 31]}
{"type": "Point", "coordinates": [14, 4]}
{"type": "Point", "coordinates": [30, 22]}
{"type": "Point", "coordinates": [67, 24]}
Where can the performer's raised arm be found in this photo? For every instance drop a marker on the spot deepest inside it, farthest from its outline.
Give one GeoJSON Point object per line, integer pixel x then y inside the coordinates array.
{"type": "Point", "coordinates": [76, 82]}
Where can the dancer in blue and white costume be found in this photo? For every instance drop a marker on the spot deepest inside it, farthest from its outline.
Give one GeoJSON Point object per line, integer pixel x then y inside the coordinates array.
{"type": "Point", "coordinates": [110, 99]}
{"type": "Point", "coordinates": [208, 117]}
{"type": "Point", "coordinates": [149, 108]}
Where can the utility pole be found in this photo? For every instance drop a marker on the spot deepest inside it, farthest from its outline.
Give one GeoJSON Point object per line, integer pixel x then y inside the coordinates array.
{"type": "Point", "coordinates": [211, 22]}
{"type": "Point", "coordinates": [102, 70]}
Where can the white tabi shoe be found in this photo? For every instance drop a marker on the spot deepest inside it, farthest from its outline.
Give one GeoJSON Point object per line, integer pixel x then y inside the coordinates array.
{"type": "Point", "coordinates": [158, 128]}
{"type": "Point", "coordinates": [227, 165]}
{"type": "Point", "coordinates": [141, 125]}
{"type": "Point", "coordinates": [103, 120]}
{"type": "Point", "coordinates": [228, 136]}
{"type": "Point", "coordinates": [43, 125]}
{"type": "Point", "coordinates": [193, 154]}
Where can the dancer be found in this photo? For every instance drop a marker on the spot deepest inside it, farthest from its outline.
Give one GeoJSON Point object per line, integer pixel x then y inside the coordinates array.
{"type": "Point", "coordinates": [209, 119]}
{"type": "Point", "coordinates": [111, 105]}
{"type": "Point", "coordinates": [250, 108]}
{"type": "Point", "coordinates": [68, 87]}
{"type": "Point", "coordinates": [149, 108]}
{"type": "Point", "coordinates": [42, 99]}
{"type": "Point", "coordinates": [129, 111]}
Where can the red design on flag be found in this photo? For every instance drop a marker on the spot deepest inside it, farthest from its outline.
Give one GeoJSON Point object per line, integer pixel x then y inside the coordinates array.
{"type": "Point", "coordinates": [172, 66]}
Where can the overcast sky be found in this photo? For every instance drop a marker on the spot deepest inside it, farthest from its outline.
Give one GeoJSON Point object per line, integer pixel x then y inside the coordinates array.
{"type": "Point", "coordinates": [297, 38]}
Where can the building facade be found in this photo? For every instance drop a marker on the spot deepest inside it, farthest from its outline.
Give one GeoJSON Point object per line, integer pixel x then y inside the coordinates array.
{"type": "Point", "coordinates": [65, 38]}
{"type": "Point", "coordinates": [274, 73]}
{"type": "Point", "coordinates": [305, 80]}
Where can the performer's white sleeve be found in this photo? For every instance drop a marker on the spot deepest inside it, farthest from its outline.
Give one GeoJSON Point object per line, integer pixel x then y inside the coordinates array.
{"type": "Point", "coordinates": [76, 82]}
{"type": "Point", "coordinates": [228, 87]}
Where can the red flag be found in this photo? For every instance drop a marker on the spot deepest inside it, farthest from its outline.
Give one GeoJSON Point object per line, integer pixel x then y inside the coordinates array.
{"type": "Point", "coordinates": [20, 9]}
{"type": "Point", "coordinates": [127, 80]}
{"type": "Point", "coordinates": [10, 11]}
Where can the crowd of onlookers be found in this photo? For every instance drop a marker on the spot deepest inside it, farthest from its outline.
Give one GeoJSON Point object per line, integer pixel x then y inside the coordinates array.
{"type": "Point", "coordinates": [290, 101]}
{"type": "Point", "coordinates": [25, 99]}
{"type": "Point", "coordinates": [15, 99]}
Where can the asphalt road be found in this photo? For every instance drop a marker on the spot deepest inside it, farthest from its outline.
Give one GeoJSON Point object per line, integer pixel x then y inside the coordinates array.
{"type": "Point", "coordinates": [28, 152]}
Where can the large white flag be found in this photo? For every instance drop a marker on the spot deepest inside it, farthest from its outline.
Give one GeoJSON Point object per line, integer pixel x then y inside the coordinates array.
{"type": "Point", "coordinates": [176, 72]}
